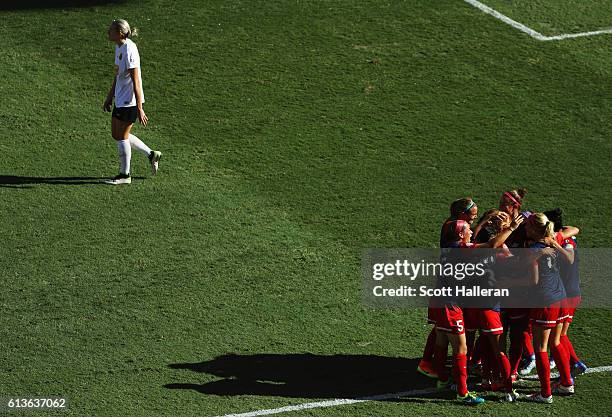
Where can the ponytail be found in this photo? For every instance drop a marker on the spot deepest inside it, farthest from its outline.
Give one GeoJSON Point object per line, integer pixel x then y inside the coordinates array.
{"type": "Point", "coordinates": [550, 229]}
{"type": "Point", "coordinates": [123, 27]}
{"type": "Point", "coordinates": [541, 225]}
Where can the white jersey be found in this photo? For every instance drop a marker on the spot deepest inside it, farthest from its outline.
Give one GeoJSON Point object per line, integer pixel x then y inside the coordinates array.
{"type": "Point", "coordinates": [126, 58]}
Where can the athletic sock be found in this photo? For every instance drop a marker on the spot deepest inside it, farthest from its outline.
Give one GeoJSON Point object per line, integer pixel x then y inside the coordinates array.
{"type": "Point", "coordinates": [527, 345]}
{"type": "Point", "coordinates": [439, 362]}
{"type": "Point", "coordinates": [493, 361]}
{"type": "Point", "coordinates": [125, 155]}
{"type": "Point", "coordinates": [516, 348]}
{"type": "Point", "coordinates": [139, 145]}
{"type": "Point", "coordinates": [430, 346]}
{"type": "Point", "coordinates": [562, 361]}
{"type": "Point", "coordinates": [460, 373]}
{"type": "Point", "coordinates": [477, 353]}
{"type": "Point", "coordinates": [567, 344]}
{"type": "Point", "coordinates": [488, 370]}
{"type": "Point", "coordinates": [543, 367]}
{"type": "Point", "coordinates": [469, 338]}
{"type": "Point", "coordinates": [504, 370]}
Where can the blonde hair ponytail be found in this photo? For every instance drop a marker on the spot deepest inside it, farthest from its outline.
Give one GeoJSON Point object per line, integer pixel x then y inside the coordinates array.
{"type": "Point", "coordinates": [124, 29]}
{"type": "Point", "coordinates": [550, 229]}
{"type": "Point", "coordinates": [542, 226]}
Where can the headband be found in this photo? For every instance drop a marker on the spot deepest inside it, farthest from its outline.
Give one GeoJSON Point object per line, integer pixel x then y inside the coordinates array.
{"type": "Point", "coordinates": [469, 206]}
{"type": "Point", "coordinates": [507, 194]}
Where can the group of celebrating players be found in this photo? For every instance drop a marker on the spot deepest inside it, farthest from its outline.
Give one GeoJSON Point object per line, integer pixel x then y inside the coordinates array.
{"type": "Point", "coordinates": [551, 273]}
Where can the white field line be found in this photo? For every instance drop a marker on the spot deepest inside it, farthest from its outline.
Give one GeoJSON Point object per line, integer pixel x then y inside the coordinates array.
{"type": "Point", "coordinates": [525, 29]}
{"type": "Point", "coordinates": [344, 401]}
{"type": "Point", "coordinates": [578, 35]}
{"type": "Point", "coordinates": [556, 374]}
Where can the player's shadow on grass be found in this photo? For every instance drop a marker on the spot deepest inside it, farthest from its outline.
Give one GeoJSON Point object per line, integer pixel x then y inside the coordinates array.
{"type": "Point", "coordinates": [308, 376]}
{"type": "Point", "coordinates": [50, 4]}
{"type": "Point", "coordinates": [15, 181]}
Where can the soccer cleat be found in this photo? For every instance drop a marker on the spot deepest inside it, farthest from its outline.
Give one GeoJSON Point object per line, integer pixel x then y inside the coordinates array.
{"type": "Point", "coordinates": [528, 366]}
{"type": "Point", "coordinates": [557, 380]}
{"type": "Point", "coordinates": [442, 385]}
{"type": "Point", "coordinates": [120, 179]}
{"type": "Point", "coordinates": [470, 399]}
{"type": "Point", "coordinates": [559, 389]}
{"type": "Point", "coordinates": [552, 364]}
{"type": "Point", "coordinates": [510, 397]}
{"type": "Point", "coordinates": [154, 158]}
{"type": "Point", "coordinates": [578, 368]}
{"type": "Point", "coordinates": [538, 398]}
{"type": "Point", "coordinates": [426, 369]}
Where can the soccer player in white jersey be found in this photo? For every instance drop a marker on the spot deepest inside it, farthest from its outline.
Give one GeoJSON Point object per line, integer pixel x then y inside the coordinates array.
{"type": "Point", "coordinates": [129, 97]}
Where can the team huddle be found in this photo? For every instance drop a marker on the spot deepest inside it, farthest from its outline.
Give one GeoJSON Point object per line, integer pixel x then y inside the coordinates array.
{"type": "Point", "coordinates": [552, 277]}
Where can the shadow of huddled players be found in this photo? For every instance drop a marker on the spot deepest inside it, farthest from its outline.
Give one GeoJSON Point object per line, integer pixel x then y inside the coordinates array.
{"type": "Point", "coordinates": [305, 375]}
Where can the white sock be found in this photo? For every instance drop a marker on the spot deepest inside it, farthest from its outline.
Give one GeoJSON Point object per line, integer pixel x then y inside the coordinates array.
{"type": "Point", "coordinates": [139, 145]}
{"type": "Point", "coordinates": [125, 154]}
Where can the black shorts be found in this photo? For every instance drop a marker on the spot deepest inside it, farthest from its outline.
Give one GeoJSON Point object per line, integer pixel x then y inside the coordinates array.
{"type": "Point", "coordinates": [126, 114]}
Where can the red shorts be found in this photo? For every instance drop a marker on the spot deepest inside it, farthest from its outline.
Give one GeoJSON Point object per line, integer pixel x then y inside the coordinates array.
{"type": "Point", "coordinates": [490, 322]}
{"type": "Point", "coordinates": [568, 308]}
{"type": "Point", "coordinates": [546, 316]}
{"type": "Point", "coordinates": [450, 319]}
{"type": "Point", "coordinates": [484, 319]}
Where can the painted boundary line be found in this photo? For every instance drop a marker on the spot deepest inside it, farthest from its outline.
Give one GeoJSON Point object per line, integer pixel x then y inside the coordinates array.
{"type": "Point", "coordinates": [345, 401]}
{"type": "Point", "coordinates": [525, 29]}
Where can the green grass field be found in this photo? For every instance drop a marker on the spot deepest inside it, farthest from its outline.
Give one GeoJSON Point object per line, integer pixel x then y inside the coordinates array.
{"type": "Point", "coordinates": [554, 17]}
{"type": "Point", "coordinates": [295, 134]}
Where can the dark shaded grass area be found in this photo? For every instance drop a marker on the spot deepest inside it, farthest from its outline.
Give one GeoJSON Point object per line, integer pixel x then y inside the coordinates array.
{"type": "Point", "coordinates": [53, 4]}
